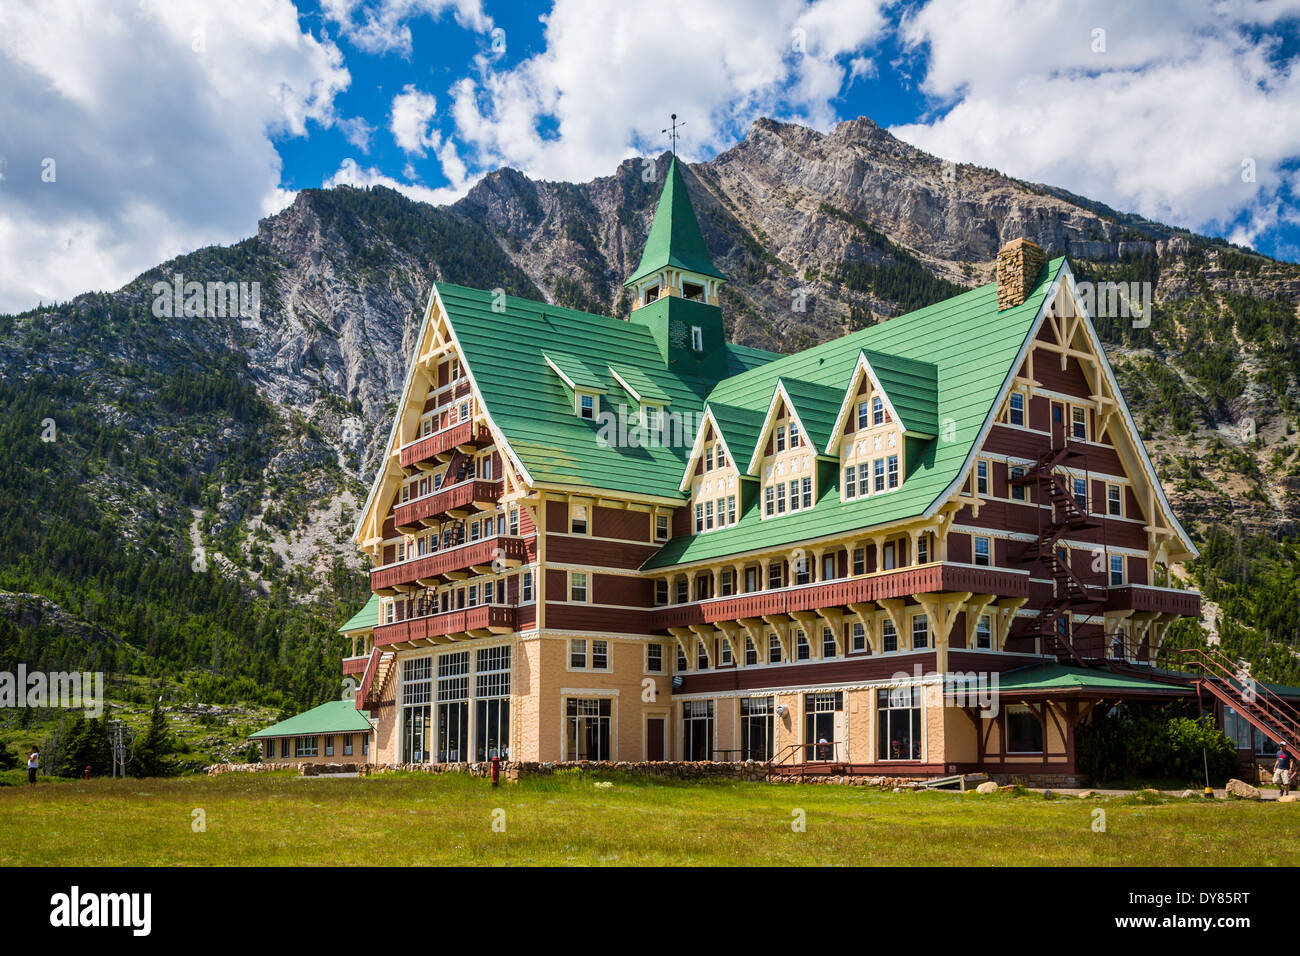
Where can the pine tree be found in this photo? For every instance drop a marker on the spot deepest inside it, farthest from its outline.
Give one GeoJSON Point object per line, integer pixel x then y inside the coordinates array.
{"type": "Point", "coordinates": [149, 756]}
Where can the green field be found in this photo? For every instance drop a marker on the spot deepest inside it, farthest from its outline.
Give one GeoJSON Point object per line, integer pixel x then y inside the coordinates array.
{"type": "Point", "coordinates": [284, 820]}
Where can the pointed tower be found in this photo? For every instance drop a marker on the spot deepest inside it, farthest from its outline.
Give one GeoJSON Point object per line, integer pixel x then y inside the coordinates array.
{"type": "Point", "coordinates": [676, 286]}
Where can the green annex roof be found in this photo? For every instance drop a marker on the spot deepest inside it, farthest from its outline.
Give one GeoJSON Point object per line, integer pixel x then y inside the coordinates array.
{"type": "Point", "coordinates": [335, 717]}
{"type": "Point", "coordinates": [675, 238]}
{"type": "Point", "coordinates": [506, 352]}
{"type": "Point", "coordinates": [973, 348]}
{"type": "Point", "coordinates": [1059, 677]}
{"type": "Point", "coordinates": [577, 373]}
{"type": "Point", "coordinates": [365, 619]}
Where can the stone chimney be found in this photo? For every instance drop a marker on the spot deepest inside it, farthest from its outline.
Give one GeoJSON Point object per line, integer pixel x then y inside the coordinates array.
{"type": "Point", "coordinates": [1018, 265]}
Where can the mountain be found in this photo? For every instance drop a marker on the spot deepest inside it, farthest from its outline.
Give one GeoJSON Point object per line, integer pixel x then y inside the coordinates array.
{"type": "Point", "coordinates": [182, 489]}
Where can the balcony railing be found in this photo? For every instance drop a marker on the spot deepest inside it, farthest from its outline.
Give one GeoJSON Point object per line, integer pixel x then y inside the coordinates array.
{"type": "Point", "coordinates": [475, 493]}
{"type": "Point", "coordinates": [496, 618]}
{"type": "Point", "coordinates": [1141, 597]}
{"type": "Point", "coordinates": [355, 665]}
{"type": "Point", "coordinates": [483, 552]}
{"type": "Point", "coordinates": [899, 583]}
{"type": "Point", "coordinates": [441, 442]}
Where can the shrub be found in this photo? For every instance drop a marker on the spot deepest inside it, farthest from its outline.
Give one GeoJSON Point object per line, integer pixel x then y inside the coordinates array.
{"type": "Point", "coordinates": [1153, 741]}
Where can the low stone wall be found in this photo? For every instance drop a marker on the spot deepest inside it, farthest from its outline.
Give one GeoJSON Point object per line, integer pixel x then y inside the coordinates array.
{"type": "Point", "coordinates": [219, 768]}
{"type": "Point", "coordinates": [668, 769]}
{"type": "Point", "coordinates": [1049, 780]}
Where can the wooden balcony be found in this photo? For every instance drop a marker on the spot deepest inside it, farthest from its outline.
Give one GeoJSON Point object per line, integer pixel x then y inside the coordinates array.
{"type": "Point", "coordinates": [441, 444]}
{"type": "Point", "coordinates": [476, 495]}
{"type": "Point", "coordinates": [355, 665]}
{"type": "Point", "coordinates": [1141, 597]}
{"type": "Point", "coordinates": [434, 567]}
{"type": "Point", "coordinates": [481, 621]}
{"type": "Point", "coordinates": [841, 592]}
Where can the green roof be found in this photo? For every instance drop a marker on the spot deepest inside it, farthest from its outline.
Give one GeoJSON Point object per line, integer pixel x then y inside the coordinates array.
{"type": "Point", "coordinates": [1059, 677]}
{"type": "Point", "coordinates": [675, 238]}
{"type": "Point", "coordinates": [816, 405]}
{"type": "Point", "coordinates": [335, 717]}
{"type": "Point", "coordinates": [506, 353]}
{"type": "Point", "coordinates": [365, 619]}
{"type": "Point", "coordinates": [912, 387]}
{"type": "Point", "coordinates": [575, 371]}
{"type": "Point", "coordinates": [644, 386]}
{"type": "Point", "coordinates": [973, 348]}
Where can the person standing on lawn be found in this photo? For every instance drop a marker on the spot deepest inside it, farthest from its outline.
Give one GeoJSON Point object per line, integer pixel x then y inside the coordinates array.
{"type": "Point", "coordinates": [33, 762]}
{"type": "Point", "coordinates": [1282, 771]}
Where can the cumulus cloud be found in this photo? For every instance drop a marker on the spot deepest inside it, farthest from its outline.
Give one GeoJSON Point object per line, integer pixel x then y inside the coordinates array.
{"type": "Point", "coordinates": [381, 27]}
{"type": "Point", "coordinates": [1166, 109]}
{"type": "Point", "coordinates": [609, 74]}
{"type": "Point", "coordinates": [158, 120]}
{"type": "Point", "coordinates": [411, 121]}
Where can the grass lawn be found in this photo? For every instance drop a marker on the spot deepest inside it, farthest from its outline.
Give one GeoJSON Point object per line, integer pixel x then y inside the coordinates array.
{"type": "Point", "coordinates": [398, 819]}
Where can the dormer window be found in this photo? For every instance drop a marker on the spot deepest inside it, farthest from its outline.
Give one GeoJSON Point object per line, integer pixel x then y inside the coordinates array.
{"type": "Point", "coordinates": [697, 338]}
{"type": "Point", "coordinates": [693, 290]}
{"type": "Point", "coordinates": [651, 293]}
{"type": "Point", "coordinates": [794, 435]}
{"type": "Point", "coordinates": [586, 406]}
{"type": "Point", "coordinates": [780, 438]}
{"type": "Point", "coordinates": [877, 411]}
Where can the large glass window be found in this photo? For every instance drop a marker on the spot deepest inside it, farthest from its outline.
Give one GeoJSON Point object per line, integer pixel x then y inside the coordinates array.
{"type": "Point", "coordinates": [587, 723]}
{"type": "Point", "coordinates": [898, 723]}
{"type": "Point", "coordinates": [417, 689]}
{"type": "Point", "coordinates": [756, 728]}
{"type": "Point", "coordinates": [453, 707]}
{"type": "Point", "coordinates": [822, 725]}
{"type": "Point", "coordinates": [492, 703]}
{"type": "Point", "coordinates": [697, 730]}
{"type": "Point", "coordinates": [1024, 731]}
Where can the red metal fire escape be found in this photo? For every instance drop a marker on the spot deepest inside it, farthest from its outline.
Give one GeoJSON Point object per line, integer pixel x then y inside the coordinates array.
{"type": "Point", "coordinates": [1262, 709]}
{"type": "Point", "coordinates": [1065, 515]}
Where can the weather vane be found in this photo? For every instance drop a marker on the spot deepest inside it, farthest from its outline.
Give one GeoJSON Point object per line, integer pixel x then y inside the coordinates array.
{"type": "Point", "coordinates": [672, 129]}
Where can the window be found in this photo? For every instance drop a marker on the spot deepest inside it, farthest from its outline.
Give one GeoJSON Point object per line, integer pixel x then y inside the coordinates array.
{"type": "Point", "coordinates": [708, 516]}
{"type": "Point", "coordinates": [1024, 731]}
{"type": "Point", "coordinates": [654, 658]}
{"type": "Point", "coordinates": [586, 728]}
{"type": "Point", "coordinates": [651, 293]}
{"type": "Point", "coordinates": [920, 632]}
{"type": "Point", "coordinates": [724, 651]}
{"type": "Point", "coordinates": [984, 633]}
{"type": "Point", "coordinates": [1017, 491]}
{"type": "Point", "coordinates": [1017, 411]}
{"type": "Point", "coordinates": [683, 590]}
{"type": "Point", "coordinates": [526, 587]}
{"type": "Point", "coordinates": [514, 521]}
{"type": "Point", "coordinates": [1116, 570]}
{"type": "Point", "coordinates": [701, 655]}
{"type": "Point", "coordinates": [794, 434]}
{"type": "Point", "coordinates": [417, 695]}
{"type": "Point", "coordinates": [981, 477]}
{"type": "Point", "coordinates": [692, 290]}
{"type": "Point", "coordinates": [365, 745]}
{"type": "Point", "coordinates": [829, 562]}
{"type": "Point", "coordinates": [329, 745]}
{"type": "Point", "coordinates": [878, 474]}
{"type": "Point", "coordinates": [857, 637]}
{"type": "Point", "coordinates": [822, 712]}
{"type": "Point", "coordinates": [492, 703]}
{"type": "Point", "coordinates": [893, 471]}
{"type": "Point", "coordinates": [877, 411]}
{"type": "Point", "coordinates": [1080, 487]}
{"type": "Point", "coordinates": [828, 642]}
{"type": "Point", "coordinates": [731, 509]}
{"type": "Point", "coordinates": [600, 655]}
{"type": "Point", "coordinates": [898, 723]}
{"type": "Point", "coordinates": [888, 636]}
{"type": "Point", "coordinates": [587, 406]}
{"type": "Point", "coordinates": [1079, 422]}
{"type": "Point", "coordinates": [923, 548]}
{"type": "Point", "coordinates": [850, 482]}
{"type": "Point", "coordinates": [306, 747]}
{"type": "Point", "coordinates": [775, 575]}
{"type": "Point", "coordinates": [780, 498]}
{"type": "Point", "coordinates": [699, 517]}
{"type": "Point", "coordinates": [864, 415]}
{"type": "Point", "coordinates": [681, 659]}
{"type": "Point", "coordinates": [805, 488]}
{"type": "Point", "coordinates": [661, 591]}
{"type": "Point", "coordinates": [578, 586]}
{"type": "Point", "coordinates": [773, 649]}
{"type": "Point", "coordinates": [578, 523]}
{"type": "Point", "coordinates": [859, 560]}
{"type": "Point", "coordinates": [727, 582]}
{"type": "Point", "coordinates": [697, 730]}
{"type": "Point", "coordinates": [697, 338]}
{"type": "Point", "coordinates": [347, 745]}
{"type": "Point", "coordinates": [802, 651]}
{"type": "Point", "coordinates": [751, 652]}
{"type": "Point", "coordinates": [769, 494]}
{"type": "Point", "coordinates": [708, 458]}
{"type": "Point", "coordinates": [756, 728]}
{"type": "Point", "coordinates": [887, 557]}
{"type": "Point", "coordinates": [578, 654]}
{"type": "Point", "coordinates": [284, 747]}
{"type": "Point", "coordinates": [661, 527]}
{"type": "Point", "coordinates": [982, 552]}
{"type": "Point", "coordinates": [1114, 503]}
{"type": "Point", "coordinates": [794, 496]}
{"type": "Point", "coordinates": [780, 438]}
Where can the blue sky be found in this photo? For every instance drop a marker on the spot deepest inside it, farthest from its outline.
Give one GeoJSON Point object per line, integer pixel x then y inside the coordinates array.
{"type": "Point", "coordinates": [130, 133]}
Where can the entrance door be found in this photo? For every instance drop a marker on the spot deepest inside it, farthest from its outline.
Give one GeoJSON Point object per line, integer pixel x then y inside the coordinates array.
{"type": "Point", "coordinates": [654, 738]}
{"type": "Point", "coordinates": [1058, 424]}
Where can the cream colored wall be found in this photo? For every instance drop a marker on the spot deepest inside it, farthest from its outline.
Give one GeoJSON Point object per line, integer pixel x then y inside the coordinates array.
{"type": "Point", "coordinates": [780, 467]}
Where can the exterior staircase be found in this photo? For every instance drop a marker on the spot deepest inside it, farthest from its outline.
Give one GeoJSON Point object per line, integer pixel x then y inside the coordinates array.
{"type": "Point", "coordinates": [1264, 710]}
{"type": "Point", "coordinates": [380, 670]}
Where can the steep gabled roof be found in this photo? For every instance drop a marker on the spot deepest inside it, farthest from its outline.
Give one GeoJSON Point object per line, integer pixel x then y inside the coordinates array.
{"type": "Point", "coordinates": [675, 238]}
{"type": "Point", "coordinates": [912, 395]}
{"type": "Point", "coordinates": [505, 354]}
{"type": "Point", "coordinates": [365, 619]}
{"type": "Point", "coordinates": [975, 350]}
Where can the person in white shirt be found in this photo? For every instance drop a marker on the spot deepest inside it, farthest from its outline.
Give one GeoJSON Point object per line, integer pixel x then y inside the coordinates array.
{"type": "Point", "coordinates": [33, 762]}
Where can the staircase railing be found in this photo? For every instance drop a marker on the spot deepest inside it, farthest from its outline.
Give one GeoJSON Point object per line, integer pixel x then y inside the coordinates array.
{"type": "Point", "coordinates": [1262, 708]}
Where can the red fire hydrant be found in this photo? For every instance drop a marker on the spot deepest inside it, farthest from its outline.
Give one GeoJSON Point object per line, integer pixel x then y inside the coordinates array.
{"type": "Point", "coordinates": [87, 775]}
{"type": "Point", "coordinates": [496, 771]}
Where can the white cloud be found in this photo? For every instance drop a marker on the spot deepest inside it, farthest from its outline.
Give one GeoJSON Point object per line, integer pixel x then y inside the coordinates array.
{"type": "Point", "coordinates": [351, 173]}
{"type": "Point", "coordinates": [159, 118]}
{"type": "Point", "coordinates": [1156, 114]}
{"type": "Point", "coordinates": [381, 27]}
{"type": "Point", "coordinates": [411, 121]}
{"type": "Point", "coordinates": [611, 73]}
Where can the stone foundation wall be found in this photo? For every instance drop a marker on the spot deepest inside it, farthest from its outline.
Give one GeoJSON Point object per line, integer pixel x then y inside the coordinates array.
{"type": "Point", "coordinates": [1040, 779]}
